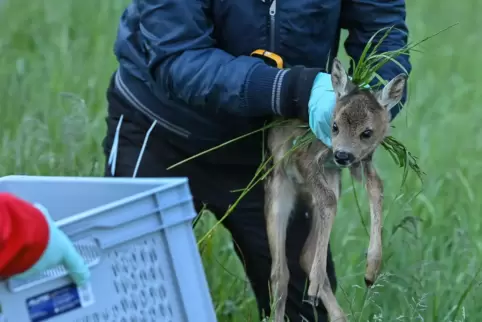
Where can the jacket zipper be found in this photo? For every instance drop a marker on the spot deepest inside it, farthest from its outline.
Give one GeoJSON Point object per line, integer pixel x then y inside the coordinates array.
{"type": "Point", "coordinates": [272, 21]}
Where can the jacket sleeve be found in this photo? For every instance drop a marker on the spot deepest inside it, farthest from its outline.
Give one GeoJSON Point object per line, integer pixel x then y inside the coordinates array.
{"type": "Point", "coordinates": [183, 59]}
{"type": "Point", "coordinates": [363, 18]}
{"type": "Point", "coordinates": [24, 235]}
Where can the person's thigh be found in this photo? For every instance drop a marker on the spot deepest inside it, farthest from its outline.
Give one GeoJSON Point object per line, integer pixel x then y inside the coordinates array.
{"type": "Point", "coordinates": [211, 185]}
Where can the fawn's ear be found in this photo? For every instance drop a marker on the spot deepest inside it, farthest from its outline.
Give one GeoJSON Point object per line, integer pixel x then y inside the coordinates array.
{"type": "Point", "coordinates": [392, 93]}
{"type": "Point", "coordinates": [339, 79]}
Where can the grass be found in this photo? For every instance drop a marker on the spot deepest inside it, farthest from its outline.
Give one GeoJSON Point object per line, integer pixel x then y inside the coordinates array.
{"type": "Point", "coordinates": [55, 65]}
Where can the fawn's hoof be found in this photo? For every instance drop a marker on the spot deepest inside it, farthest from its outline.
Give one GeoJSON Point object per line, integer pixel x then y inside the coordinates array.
{"type": "Point", "coordinates": [313, 300]}
{"type": "Point", "coordinates": [369, 282]}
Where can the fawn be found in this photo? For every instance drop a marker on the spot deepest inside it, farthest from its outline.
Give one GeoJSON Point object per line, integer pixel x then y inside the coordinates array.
{"type": "Point", "coordinates": [360, 123]}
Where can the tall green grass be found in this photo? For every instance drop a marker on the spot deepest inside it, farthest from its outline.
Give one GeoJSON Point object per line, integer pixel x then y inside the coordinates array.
{"type": "Point", "coordinates": [55, 63]}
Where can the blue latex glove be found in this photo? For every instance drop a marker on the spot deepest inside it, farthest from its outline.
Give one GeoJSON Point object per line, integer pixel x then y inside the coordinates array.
{"type": "Point", "coordinates": [320, 107]}
{"type": "Point", "coordinates": [60, 250]}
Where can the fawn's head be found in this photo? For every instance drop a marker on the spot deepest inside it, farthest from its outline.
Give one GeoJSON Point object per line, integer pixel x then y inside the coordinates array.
{"type": "Point", "coordinates": [361, 117]}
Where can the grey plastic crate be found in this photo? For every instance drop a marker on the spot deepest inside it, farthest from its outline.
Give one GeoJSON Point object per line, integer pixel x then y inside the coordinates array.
{"type": "Point", "coordinates": [135, 234]}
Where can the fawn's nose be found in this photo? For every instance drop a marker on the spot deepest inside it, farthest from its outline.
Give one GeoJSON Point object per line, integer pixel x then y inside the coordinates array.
{"type": "Point", "coordinates": [344, 158]}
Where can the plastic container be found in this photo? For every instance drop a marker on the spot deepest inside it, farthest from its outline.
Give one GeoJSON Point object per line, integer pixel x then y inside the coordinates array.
{"type": "Point", "coordinates": [136, 236]}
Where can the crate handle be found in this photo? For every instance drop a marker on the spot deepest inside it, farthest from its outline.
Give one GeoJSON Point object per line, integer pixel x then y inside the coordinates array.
{"type": "Point", "coordinates": [88, 249]}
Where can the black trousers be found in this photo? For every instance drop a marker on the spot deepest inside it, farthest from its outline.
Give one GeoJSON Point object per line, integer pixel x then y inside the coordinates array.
{"type": "Point", "coordinates": [211, 184]}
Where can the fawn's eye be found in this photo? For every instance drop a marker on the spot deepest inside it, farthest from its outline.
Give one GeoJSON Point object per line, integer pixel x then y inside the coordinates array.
{"type": "Point", "coordinates": [335, 128]}
{"type": "Point", "coordinates": [366, 134]}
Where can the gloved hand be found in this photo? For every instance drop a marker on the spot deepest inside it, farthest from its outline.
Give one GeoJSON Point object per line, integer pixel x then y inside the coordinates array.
{"type": "Point", "coordinates": [320, 107]}
{"type": "Point", "coordinates": [60, 250]}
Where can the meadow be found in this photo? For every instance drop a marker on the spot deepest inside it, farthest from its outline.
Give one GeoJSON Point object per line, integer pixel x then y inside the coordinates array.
{"type": "Point", "coordinates": [55, 63]}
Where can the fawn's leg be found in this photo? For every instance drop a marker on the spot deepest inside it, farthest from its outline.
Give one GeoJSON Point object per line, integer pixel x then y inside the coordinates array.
{"type": "Point", "coordinates": [374, 186]}
{"type": "Point", "coordinates": [280, 199]}
{"type": "Point", "coordinates": [308, 252]}
{"type": "Point", "coordinates": [313, 259]}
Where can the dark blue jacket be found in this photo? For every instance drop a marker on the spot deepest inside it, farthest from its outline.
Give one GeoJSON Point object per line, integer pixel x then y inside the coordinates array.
{"type": "Point", "coordinates": [186, 63]}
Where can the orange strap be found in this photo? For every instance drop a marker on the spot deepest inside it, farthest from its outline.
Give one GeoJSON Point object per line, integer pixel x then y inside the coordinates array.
{"type": "Point", "coordinates": [270, 58]}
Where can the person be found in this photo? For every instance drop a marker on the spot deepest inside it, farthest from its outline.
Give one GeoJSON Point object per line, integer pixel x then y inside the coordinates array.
{"type": "Point", "coordinates": [31, 243]}
{"type": "Point", "coordinates": [186, 81]}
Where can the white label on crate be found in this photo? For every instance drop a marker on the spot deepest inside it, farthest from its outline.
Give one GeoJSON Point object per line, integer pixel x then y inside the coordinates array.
{"type": "Point", "coordinates": [58, 301]}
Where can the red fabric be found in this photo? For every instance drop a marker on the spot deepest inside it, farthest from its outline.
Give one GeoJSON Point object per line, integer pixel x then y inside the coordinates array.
{"type": "Point", "coordinates": [24, 235]}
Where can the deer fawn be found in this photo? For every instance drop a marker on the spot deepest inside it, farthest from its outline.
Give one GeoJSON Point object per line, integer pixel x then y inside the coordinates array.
{"type": "Point", "coordinates": [360, 123]}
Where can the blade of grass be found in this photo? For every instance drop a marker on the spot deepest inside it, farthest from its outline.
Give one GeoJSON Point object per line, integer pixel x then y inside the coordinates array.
{"type": "Point", "coordinates": [248, 188]}
{"type": "Point", "coordinates": [270, 125]}
{"type": "Point", "coordinates": [466, 292]}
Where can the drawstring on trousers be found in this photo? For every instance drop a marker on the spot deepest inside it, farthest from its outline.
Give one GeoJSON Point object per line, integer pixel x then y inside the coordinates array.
{"type": "Point", "coordinates": [115, 148]}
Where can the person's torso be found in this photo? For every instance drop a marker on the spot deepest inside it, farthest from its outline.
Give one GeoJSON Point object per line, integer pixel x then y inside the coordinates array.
{"type": "Point", "coordinates": [302, 32]}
